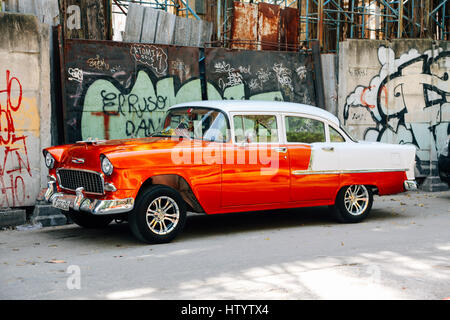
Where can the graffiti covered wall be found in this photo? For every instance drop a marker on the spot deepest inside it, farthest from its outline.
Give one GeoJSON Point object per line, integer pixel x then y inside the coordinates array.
{"type": "Point", "coordinates": [259, 75]}
{"type": "Point", "coordinates": [119, 90]}
{"type": "Point", "coordinates": [397, 92]}
{"type": "Point", "coordinates": [24, 102]}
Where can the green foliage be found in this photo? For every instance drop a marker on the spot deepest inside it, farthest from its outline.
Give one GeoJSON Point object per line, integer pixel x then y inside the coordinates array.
{"type": "Point", "coordinates": [306, 137]}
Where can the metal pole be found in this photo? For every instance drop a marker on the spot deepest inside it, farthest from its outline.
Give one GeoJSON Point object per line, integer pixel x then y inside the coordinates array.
{"type": "Point", "coordinates": [307, 23]}
{"type": "Point", "coordinates": [219, 2]}
{"type": "Point", "coordinates": [353, 19]}
{"type": "Point", "coordinates": [363, 27]}
{"type": "Point", "coordinates": [400, 20]}
{"type": "Point", "coordinates": [320, 26]}
{"type": "Point", "coordinates": [338, 29]}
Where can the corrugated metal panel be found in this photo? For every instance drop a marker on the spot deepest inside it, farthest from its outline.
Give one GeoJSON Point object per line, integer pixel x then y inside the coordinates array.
{"type": "Point", "coordinates": [289, 29]}
{"type": "Point", "coordinates": [268, 26]}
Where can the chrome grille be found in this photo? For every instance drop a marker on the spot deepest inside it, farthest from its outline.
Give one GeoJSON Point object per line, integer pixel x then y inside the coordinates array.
{"type": "Point", "coordinates": [92, 182]}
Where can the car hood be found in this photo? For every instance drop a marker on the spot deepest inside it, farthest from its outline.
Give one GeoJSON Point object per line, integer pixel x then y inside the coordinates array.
{"type": "Point", "coordinates": [86, 155]}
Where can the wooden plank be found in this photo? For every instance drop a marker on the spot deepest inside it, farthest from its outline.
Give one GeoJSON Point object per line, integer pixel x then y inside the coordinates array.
{"type": "Point", "coordinates": [47, 11]}
{"type": "Point", "coordinates": [96, 24]}
{"type": "Point", "coordinates": [195, 37]}
{"type": "Point", "coordinates": [133, 25]}
{"type": "Point", "coordinates": [165, 28]}
{"type": "Point", "coordinates": [148, 32]}
{"type": "Point", "coordinates": [12, 5]}
{"type": "Point", "coordinates": [182, 31]}
{"type": "Point", "coordinates": [26, 6]}
{"type": "Point", "coordinates": [206, 33]}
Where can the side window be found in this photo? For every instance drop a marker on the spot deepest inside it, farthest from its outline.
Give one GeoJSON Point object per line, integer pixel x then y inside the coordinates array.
{"type": "Point", "coordinates": [217, 127]}
{"type": "Point", "coordinates": [299, 129]}
{"type": "Point", "coordinates": [335, 136]}
{"type": "Point", "coordinates": [255, 128]}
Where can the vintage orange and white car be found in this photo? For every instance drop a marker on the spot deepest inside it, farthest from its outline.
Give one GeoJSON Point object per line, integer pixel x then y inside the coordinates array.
{"type": "Point", "coordinates": [220, 157]}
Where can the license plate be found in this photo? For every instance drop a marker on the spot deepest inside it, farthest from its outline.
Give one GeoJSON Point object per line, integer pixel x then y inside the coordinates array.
{"type": "Point", "coordinates": [61, 204]}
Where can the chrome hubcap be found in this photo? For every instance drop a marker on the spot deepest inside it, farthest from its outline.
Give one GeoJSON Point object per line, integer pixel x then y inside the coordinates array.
{"type": "Point", "coordinates": [356, 199]}
{"type": "Point", "coordinates": [162, 215]}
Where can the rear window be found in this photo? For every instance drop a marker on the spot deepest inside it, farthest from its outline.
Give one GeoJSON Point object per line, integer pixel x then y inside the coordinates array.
{"type": "Point", "coordinates": [255, 128]}
{"type": "Point", "coordinates": [304, 130]}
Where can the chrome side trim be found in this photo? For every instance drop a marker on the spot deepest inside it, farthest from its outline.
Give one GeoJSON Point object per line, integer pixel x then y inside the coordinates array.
{"type": "Point", "coordinates": [305, 172]}
{"type": "Point", "coordinates": [280, 149]}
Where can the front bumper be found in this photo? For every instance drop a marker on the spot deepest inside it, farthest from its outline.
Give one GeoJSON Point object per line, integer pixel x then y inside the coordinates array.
{"type": "Point", "coordinates": [410, 185]}
{"type": "Point", "coordinates": [80, 202]}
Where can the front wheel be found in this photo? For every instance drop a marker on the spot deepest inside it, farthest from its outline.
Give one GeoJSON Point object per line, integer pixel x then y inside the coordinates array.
{"type": "Point", "coordinates": [353, 203]}
{"type": "Point", "coordinates": [159, 215]}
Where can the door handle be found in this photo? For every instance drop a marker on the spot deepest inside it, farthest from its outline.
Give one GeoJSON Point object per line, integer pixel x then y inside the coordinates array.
{"type": "Point", "coordinates": [328, 148]}
{"type": "Point", "coordinates": [280, 149]}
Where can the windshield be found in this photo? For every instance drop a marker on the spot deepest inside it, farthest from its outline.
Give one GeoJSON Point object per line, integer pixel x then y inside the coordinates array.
{"type": "Point", "coordinates": [195, 123]}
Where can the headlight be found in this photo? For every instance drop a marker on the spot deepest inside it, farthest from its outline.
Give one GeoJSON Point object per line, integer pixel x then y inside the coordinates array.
{"type": "Point", "coordinates": [107, 166]}
{"type": "Point", "coordinates": [49, 160]}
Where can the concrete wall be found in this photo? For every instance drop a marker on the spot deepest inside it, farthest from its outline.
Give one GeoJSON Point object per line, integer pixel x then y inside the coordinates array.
{"type": "Point", "coordinates": [397, 92]}
{"type": "Point", "coordinates": [24, 108]}
{"type": "Point", "coordinates": [329, 74]}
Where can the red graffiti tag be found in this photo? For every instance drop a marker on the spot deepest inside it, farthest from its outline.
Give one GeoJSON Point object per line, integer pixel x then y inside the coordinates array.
{"type": "Point", "coordinates": [363, 93]}
{"type": "Point", "coordinates": [15, 155]}
{"type": "Point", "coordinates": [106, 116]}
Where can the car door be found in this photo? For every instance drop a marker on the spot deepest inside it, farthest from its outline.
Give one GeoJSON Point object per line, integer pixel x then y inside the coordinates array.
{"type": "Point", "coordinates": [255, 170]}
{"type": "Point", "coordinates": [313, 161]}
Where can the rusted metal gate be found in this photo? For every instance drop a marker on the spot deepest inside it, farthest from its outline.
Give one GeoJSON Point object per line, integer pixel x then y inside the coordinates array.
{"type": "Point", "coordinates": [264, 26]}
{"type": "Point", "coordinates": [119, 90]}
{"type": "Point", "coordinates": [244, 29]}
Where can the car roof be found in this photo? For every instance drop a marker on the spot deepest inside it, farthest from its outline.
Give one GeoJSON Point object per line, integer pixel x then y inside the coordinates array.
{"type": "Point", "coordinates": [260, 106]}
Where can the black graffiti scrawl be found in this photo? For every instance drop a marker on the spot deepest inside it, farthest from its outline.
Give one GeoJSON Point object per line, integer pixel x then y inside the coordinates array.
{"type": "Point", "coordinates": [408, 102]}
{"type": "Point", "coordinates": [259, 75]}
{"type": "Point", "coordinates": [121, 90]}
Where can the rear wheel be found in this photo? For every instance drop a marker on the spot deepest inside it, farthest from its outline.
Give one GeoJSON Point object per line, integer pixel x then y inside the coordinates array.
{"type": "Point", "coordinates": [159, 215]}
{"type": "Point", "coordinates": [87, 220]}
{"type": "Point", "coordinates": [353, 203]}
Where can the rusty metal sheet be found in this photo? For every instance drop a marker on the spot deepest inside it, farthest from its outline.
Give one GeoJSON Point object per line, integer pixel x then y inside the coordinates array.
{"type": "Point", "coordinates": [183, 63]}
{"type": "Point", "coordinates": [289, 29]}
{"type": "Point", "coordinates": [268, 26]}
{"type": "Point", "coordinates": [259, 75]}
{"type": "Point", "coordinates": [119, 90]}
{"type": "Point", "coordinates": [244, 27]}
